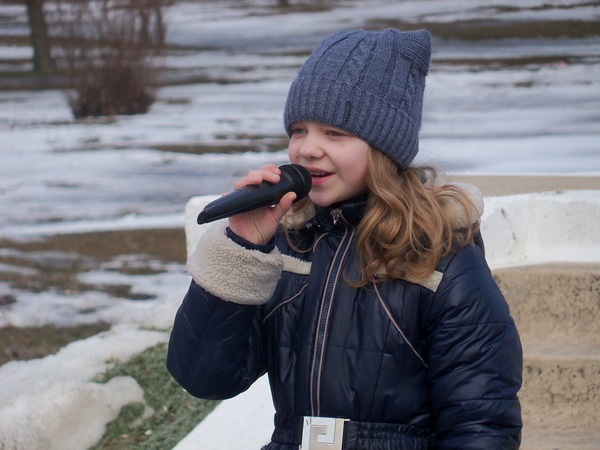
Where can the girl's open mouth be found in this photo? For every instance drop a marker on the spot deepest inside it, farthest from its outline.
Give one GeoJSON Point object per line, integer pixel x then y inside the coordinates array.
{"type": "Point", "coordinates": [319, 177]}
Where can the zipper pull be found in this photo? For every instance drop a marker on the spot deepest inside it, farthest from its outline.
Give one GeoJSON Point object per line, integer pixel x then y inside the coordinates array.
{"type": "Point", "coordinates": [336, 214]}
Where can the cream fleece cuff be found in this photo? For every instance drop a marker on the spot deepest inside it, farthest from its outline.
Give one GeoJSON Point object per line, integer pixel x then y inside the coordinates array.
{"type": "Point", "coordinates": [232, 272]}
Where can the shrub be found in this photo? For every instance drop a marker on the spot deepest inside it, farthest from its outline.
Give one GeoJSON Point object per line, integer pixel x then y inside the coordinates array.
{"type": "Point", "coordinates": [110, 50]}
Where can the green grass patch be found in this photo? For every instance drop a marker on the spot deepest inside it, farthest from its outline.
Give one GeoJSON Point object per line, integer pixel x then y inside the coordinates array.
{"type": "Point", "coordinates": [176, 412]}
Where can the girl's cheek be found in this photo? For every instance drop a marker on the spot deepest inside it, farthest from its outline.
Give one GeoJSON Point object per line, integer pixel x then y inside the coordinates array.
{"type": "Point", "coordinates": [292, 154]}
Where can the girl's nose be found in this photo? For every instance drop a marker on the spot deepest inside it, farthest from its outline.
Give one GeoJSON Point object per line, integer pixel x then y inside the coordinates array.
{"type": "Point", "coordinates": [311, 147]}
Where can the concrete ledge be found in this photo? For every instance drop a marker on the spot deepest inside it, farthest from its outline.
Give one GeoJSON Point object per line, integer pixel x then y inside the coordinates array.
{"type": "Point", "coordinates": [555, 306]}
{"type": "Point", "coordinates": [495, 185]}
{"type": "Point", "coordinates": [193, 231]}
{"type": "Point", "coordinates": [532, 228]}
{"type": "Point", "coordinates": [562, 226]}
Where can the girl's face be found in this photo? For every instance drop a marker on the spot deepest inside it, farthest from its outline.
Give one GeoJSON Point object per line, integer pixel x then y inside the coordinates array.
{"type": "Point", "coordinates": [336, 160]}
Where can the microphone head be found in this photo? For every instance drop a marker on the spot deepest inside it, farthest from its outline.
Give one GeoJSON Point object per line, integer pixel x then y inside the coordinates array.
{"type": "Point", "coordinates": [300, 178]}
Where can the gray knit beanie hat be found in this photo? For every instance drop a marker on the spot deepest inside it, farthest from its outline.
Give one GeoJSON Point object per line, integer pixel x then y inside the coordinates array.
{"type": "Point", "coordinates": [368, 83]}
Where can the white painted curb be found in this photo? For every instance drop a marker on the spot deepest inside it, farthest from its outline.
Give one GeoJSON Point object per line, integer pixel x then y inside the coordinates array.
{"type": "Point", "coordinates": [542, 228]}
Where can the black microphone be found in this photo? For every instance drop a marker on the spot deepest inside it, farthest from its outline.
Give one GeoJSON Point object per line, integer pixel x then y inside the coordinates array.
{"type": "Point", "coordinates": [294, 178]}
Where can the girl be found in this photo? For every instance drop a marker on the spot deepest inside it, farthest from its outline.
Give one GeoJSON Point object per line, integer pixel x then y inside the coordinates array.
{"type": "Point", "coordinates": [369, 303]}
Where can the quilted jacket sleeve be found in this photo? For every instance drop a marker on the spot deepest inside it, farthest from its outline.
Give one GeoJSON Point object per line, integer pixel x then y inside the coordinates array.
{"type": "Point", "coordinates": [216, 343]}
{"type": "Point", "coordinates": [215, 348]}
{"type": "Point", "coordinates": [475, 359]}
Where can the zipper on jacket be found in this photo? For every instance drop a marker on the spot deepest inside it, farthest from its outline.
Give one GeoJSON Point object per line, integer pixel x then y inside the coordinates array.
{"type": "Point", "coordinates": [323, 320]}
{"type": "Point", "coordinates": [336, 215]}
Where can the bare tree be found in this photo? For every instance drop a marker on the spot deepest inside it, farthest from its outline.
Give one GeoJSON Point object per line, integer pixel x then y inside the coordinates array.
{"type": "Point", "coordinates": [42, 59]}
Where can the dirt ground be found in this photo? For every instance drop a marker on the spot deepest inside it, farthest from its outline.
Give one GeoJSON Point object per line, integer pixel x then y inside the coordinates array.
{"type": "Point", "coordinates": [54, 262]}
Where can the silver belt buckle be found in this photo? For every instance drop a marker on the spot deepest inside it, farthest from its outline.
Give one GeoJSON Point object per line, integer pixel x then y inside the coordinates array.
{"type": "Point", "coordinates": [322, 433]}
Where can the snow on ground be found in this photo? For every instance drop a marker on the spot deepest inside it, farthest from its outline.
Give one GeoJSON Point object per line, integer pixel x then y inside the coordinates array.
{"type": "Point", "coordinates": [51, 403]}
{"type": "Point", "coordinates": [58, 175]}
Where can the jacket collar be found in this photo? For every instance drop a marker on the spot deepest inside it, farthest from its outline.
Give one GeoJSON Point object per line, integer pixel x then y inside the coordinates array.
{"type": "Point", "coordinates": [349, 212]}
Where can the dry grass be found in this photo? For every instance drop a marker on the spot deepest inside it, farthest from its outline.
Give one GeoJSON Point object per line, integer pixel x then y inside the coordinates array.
{"type": "Point", "coordinates": [36, 342]}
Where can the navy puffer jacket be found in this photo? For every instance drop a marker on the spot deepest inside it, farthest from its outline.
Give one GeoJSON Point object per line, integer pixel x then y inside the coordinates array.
{"type": "Point", "coordinates": [413, 366]}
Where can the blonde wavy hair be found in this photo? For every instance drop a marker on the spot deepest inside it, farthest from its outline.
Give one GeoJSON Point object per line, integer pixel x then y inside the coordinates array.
{"type": "Point", "coordinates": [413, 218]}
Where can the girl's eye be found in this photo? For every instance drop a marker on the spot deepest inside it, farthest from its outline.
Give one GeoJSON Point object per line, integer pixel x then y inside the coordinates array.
{"type": "Point", "coordinates": [335, 133]}
{"type": "Point", "coordinates": [297, 131]}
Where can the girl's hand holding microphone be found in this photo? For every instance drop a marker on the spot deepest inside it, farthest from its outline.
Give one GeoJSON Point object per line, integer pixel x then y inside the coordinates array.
{"type": "Point", "coordinates": [258, 226]}
{"type": "Point", "coordinates": [259, 201]}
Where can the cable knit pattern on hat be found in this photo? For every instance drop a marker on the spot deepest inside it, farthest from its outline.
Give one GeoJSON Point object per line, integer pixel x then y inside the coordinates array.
{"type": "Point", "coordinates": [368, 83]}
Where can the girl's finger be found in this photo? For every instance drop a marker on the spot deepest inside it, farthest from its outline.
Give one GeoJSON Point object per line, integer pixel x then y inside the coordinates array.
{"type": "Point", "coordinates": [270, 173]}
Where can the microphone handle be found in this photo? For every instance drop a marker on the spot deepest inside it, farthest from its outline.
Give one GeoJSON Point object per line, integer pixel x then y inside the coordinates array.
{"type": "Point", "coordinates": [238, 202]}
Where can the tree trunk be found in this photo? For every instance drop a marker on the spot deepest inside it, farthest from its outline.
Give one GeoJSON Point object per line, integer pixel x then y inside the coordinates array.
{"type": "Point", "coordinates": [42, 60]}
